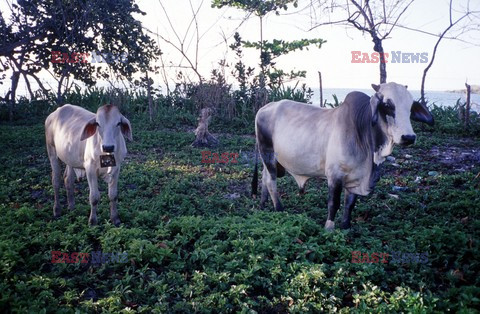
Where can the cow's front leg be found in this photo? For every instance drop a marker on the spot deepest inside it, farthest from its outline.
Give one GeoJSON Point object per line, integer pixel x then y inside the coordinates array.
{"type": "Point", "coordinates": [350, 200]}
{"type": "Point", "coordinates": [113, 196]}
{"type": "Point", "coordinates": [94, 197]}
{"type": "Point", "coordinates": [334, 192]}
{"type": "Point", "coordinates": [69, 178]}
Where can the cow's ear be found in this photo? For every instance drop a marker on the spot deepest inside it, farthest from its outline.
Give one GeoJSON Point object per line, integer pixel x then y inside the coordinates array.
{"type": "Point", "coordinates": [89, 129]}
{"type": "Point", "coordinates": [376, 87]}
{"type": "Point", "coordinates": [375, 100]}
{"type": "Point", "coordinates": [420, 113]}
{"type": "Point", "coordinates": [126, 128]}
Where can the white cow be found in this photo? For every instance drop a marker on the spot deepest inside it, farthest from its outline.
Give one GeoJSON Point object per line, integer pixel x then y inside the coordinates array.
{"type": "Point", "coordinates": [89, 144]}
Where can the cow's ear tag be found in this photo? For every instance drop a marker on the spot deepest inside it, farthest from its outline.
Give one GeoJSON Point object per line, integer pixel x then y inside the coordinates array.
{"type": "Point", "coordinates": [107, 161]}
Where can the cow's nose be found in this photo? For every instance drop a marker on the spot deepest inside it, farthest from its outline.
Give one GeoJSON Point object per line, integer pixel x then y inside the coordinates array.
{"type": "Point", "coordinates": [108, 148]}
{"type": "Point", "coordinates": [408, 139]}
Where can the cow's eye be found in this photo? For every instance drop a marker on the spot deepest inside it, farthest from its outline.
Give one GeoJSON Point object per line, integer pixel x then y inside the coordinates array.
{"type": "Point", "coordinates": [390, 108]}
{"type": "Point", "coordinates": [119, 123]}
{"type": "Point", "coordinates": [390, 104]}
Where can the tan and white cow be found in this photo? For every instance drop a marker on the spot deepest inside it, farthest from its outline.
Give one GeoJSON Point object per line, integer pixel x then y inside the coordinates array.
{"type": "Point", "coordinates": [345, 145]}
{"type": "Point", "coordinates": [89, 144]}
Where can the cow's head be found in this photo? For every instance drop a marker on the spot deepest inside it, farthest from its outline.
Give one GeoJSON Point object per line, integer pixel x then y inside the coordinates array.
{"type": "Point", "coordinates": [394, 105]}
{"type": "Point", "coordinates": [109, 123]}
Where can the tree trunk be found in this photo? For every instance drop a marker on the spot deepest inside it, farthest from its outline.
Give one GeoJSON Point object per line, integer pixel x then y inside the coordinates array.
{"type": "Point", "coordinates": [422, 88]}
{"type": "Point", "coordinates": [13, 95]}
{"type": "Point", "coordinates": [383, 62]}
{"type": "Point", "coordinates": [262, 97]}
{"type": "Point", "coordinates": [59, 90]}
{"type": "Point", "coordinates": [149, 96]}
{"type": "Point", "coordinates": [29, 88]}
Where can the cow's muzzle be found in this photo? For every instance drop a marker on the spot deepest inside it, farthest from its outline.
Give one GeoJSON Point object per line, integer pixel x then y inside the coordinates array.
{"type": "Point", "coordinates": [408, 139]}
{"type": "Point", "coordinates": [108, 148]}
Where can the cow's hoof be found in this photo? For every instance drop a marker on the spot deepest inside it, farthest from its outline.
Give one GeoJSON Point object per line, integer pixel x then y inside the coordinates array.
{"type": "Point", "coordinates": [56, 213]}
{"type": "Point", "coordinates": [345, 225]}
{"type": "Point", "coordinates": [116, 222]}
{"type": "Point", "coordinates": [329, 225]}
{"type": "Point", "coordinates": [92, 222]}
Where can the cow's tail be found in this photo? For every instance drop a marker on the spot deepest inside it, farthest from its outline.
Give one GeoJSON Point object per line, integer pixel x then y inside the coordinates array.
{"type": "Point", "coordinates": [255, 173]}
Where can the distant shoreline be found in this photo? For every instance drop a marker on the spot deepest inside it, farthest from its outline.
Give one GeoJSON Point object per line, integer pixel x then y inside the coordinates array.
{"type": "Point", "coordinates": [475, 89]}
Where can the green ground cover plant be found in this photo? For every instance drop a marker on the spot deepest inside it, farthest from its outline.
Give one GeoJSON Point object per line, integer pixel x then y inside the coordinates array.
{"type": "Point", "coordinates": [197, 242]}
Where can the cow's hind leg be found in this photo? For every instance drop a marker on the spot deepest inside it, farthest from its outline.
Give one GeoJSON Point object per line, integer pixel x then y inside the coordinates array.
{"type": "Point", "coordinates": [269, 179]}
{"type": "Point", "coordinates": [113, 196]}
{"type": "Point", "coordinates": [334, 192]}
{"type": "Point", "coordinates": [264, 196]}
{"type": "Point", "coordinates": [350, 200]}
{"type": "Point", "coordinates": [56, 170]}
{"type": "Point", "coordinates": [69, 179]}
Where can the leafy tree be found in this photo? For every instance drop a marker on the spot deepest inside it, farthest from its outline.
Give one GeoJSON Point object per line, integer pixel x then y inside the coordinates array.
{"type": "Point", "coordinates": [275, 49]}
{"type": "Point", "coordinates": [259, 7]}
{"type": "Point", "coordinates": [37, 29]}
{"type": "Point", "coordinates": [268, 50]}
{"type": "Point", "coordinates": [241, 72]}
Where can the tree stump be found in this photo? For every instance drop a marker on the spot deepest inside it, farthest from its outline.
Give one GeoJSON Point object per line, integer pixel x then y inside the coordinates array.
{"type": "Point", "coordinates": [203, 138]}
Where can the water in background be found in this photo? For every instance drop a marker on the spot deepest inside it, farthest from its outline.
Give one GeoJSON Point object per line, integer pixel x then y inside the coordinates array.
{"type": "Point", "coordinates": [439, 98]}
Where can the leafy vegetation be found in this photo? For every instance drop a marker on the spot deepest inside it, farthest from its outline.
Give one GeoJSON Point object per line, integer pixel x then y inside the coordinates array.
{"type": "Point", "coordinates": [196, 241]}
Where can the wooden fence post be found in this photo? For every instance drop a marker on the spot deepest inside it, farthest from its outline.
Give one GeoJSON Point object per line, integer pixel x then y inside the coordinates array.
{"type": "Point", "coordinates": [321, 88]}
{"type": "Point", "coordinates": [467, 107]}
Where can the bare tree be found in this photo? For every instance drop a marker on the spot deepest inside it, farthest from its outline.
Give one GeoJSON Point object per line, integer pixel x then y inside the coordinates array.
{"type": "Point", "coordinates": [470, 18]}
{"type": "Point", "coordinates": [377, 18]}
{"type": "Point", "coordinates": [183, 43]}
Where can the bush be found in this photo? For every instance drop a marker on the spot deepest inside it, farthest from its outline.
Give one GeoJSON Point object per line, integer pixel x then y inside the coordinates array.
{"type": "Point", "coordinates": [234, 113]}
{"type": "Point", "coordinates": [448, 120]}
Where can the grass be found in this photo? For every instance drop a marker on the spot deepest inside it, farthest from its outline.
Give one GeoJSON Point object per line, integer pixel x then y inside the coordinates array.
{"type": "Point", "coordinates": [197, 242]}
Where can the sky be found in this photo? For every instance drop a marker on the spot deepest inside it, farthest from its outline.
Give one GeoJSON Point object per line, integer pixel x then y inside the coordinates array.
{"type": "Point", "coordinates": [456, 62]}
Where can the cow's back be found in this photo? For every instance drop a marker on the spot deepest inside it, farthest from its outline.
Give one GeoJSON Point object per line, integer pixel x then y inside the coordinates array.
{"type": "Point", "coordinates": [63, 129]}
